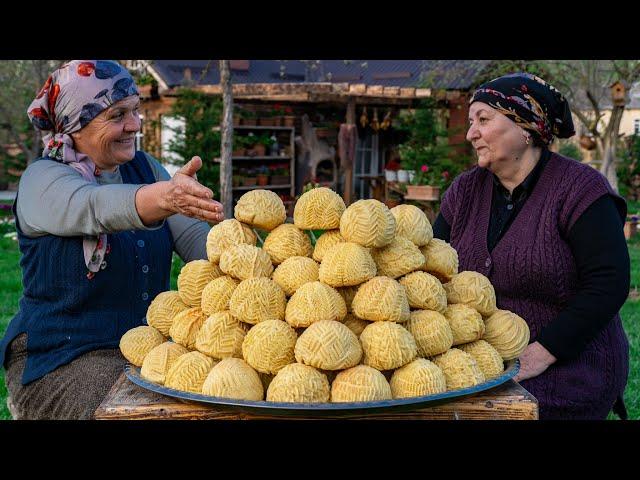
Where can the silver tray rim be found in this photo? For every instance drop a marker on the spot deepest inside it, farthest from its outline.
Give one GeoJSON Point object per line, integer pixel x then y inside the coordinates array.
{"type": "Point", "coordinates": [512, 367]}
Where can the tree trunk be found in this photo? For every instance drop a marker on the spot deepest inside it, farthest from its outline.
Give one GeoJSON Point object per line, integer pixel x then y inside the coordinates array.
{"type": "Point", "coordinates": [610, 141]}
{"type": "Point", "coordinates": [226, 193]}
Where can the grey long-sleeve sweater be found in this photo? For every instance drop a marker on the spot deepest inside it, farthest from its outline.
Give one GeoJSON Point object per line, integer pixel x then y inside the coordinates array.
{"type": "Point", "coordinates": [53, 198]}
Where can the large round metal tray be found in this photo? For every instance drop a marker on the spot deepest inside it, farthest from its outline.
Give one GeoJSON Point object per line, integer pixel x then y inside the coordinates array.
{"type": "Point", "coordinates": [319, 409]}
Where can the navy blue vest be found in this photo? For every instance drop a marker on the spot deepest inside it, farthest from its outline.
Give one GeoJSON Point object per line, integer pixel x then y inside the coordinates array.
{"type": "Point", "coordinates": [65, 313]}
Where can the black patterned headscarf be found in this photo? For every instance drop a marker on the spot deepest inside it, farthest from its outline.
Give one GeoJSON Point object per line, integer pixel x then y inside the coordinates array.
{"type": "Point", "coordinates": [530, 102]}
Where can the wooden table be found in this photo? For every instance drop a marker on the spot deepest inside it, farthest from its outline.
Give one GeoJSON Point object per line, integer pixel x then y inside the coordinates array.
{"type": "Point", "coordinates": [127, 401]}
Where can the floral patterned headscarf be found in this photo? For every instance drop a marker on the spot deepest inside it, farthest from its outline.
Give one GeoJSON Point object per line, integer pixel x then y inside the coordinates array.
{"type": "Point", "coordinates": [530, 102]}
{"type": "Point", "coordinates": [71, 97]}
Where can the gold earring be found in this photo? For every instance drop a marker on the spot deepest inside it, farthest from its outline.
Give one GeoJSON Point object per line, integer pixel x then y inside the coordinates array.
{"type": "Point", "coordinates": [526, 139]}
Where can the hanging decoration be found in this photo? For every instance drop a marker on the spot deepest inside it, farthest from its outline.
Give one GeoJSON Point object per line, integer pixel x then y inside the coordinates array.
{"type": "Point", "coordinates": [386, 122]}
{"type": "Point", "coordinates": [364, 120]}
{"type": "Point", "coordinates": [375, 125]}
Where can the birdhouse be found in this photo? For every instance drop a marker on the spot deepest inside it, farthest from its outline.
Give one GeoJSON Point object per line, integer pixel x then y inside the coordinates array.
{"type": "Point", "coordinates": [618, 93]}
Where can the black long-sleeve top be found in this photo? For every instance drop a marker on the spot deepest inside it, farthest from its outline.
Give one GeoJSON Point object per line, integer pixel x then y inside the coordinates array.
{"type": "Point", "coordinates": [602, 262]}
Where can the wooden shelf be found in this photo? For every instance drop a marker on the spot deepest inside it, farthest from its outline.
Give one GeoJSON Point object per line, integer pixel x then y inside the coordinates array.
{"type": "Point", "coordinates": [260, 127]}
{"type": "Point", "coordinates": [268, 157]}
{"type": "Point", "coordinates": [264, 187]}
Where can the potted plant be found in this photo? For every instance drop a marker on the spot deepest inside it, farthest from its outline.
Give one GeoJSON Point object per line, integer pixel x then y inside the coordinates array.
{"type": "Point", "coordinates": [280, 176]}
{"type": "Point", "coordinates": [288, 118]}
{"type": "Point", "coordinates": [248, 117]}
{"type": "Point", "coordinates": [250, 180]}
{"type": "Point", "coordinates": [391, 170]}
{"type": "Point", "coordinates": [262, 176]}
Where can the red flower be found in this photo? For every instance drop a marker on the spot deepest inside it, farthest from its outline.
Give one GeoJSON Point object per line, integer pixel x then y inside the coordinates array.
{"type": "Point", "coordinates": [45, 88]}
{"type": "Point", "coordinates": [289, 110]}
{"type": "Point", "coordinates": [53, 96]}
{"type": "Point", "coordinates": [424, 168]}
{"type": "Point", "coordinates": [445, 174]}
{"type": "Point", "coordinates": [86, 69]}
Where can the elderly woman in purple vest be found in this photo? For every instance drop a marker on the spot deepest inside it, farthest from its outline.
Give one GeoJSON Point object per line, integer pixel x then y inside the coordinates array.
{"type": "Point", "coordinates": [97, 225]}
{"type": "Point", "coordinates": [548, 233]}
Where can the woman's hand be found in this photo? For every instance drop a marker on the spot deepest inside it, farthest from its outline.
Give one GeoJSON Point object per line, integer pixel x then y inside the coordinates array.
{"type": "Point", "coordinates": [182, 194]}
{"type": "Point", "coordinates": [534, 360]}
{"type": "Point", "coordinates": [188, 197]}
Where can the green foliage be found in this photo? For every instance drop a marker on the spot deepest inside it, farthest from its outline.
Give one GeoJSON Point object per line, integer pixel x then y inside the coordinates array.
{"type": "Point", "coordinates": [629, 170]}
{"type": "Point", "coordinates": [570, 149]}
{"type": "Point", "coordinates": [426, 151]}
{"type": "Point", "coordinates": [202, 113]}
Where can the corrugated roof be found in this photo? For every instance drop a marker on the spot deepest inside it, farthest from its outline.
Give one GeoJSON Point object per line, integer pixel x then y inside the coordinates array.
{"type": "Point", "coordinates": [446, 74]}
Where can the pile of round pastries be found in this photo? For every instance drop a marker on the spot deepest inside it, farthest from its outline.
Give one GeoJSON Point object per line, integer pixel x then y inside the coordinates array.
{"type": "Point", "coordinates": [375, 309]}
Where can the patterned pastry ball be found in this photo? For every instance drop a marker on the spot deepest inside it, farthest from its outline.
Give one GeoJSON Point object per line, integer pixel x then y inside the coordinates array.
{"type": "Point", "coordinates": [286, 241]}
{"type": "Point", "coordinates": [413, 224]}
{"type": "Point", "coordinates": [431, 331]}
{"type": "Point", "coordinates": [424, 291]}
{"type": "Point", "coordinates": [221, 336]}
{"type": "Point", "coordinates": [261, 209]}
{"type": "Point", "coordinates": [381, 299]}
{"type": "Point", "coordinates": [441, 259]}
{"type": "Point", "coordinates": [244, 261]}
{"type": "Point", "coordinates": [258, 299]}
{"type": "Point", "coordinates": [318, 209]}
{"type": "Point", "coordinates": [269, 346]}
{"type": "Point", "coordinates": [487, 357]}
{"type": "Point", "coordinates": [162, 309]}
{"type": "Point", "coordinates": [189, 372]}
{"type": "Point", "coordinates": [325, 242]}
{"type": "Point", "coordinates": [313, 302]}
{"type": "Point", "coordinates": [508, 333]}
{"type": "Point", "coordinates": [398, 258]}
{"type": "Point", "coordinates": [473, 289]}
{"type": "Point", "coordinates": [348, 293]}
{"type": "Point", "coordinates": [295, 272]}
{"type": "Point", "coordinates": [368, 223]}
{"type": "Point", "coordinates": [466, 323]}
{"type": "Point", "coordinates": [299, 383]}
{"type": "Point", "coordinates": [186, 326]}
{"type": "Point", "coordinates": [136, 343]}
{"type": "Point", "coordinates": [355, 324]}
{"type": "Point", "coordinates": [347, 264]}
{"type": "Point", "coordinates": [159, 360]}
{"type": "Point", "coordinates": [360, 384]}
{"type": "Point", "coordinates": [328, 345]}
{"type": "Point", "coordinates": [194, 276]}
{"type": "Point", "coordinates": [225, 234]}
{"type": "Point", "coordinates": [418, 378]}
{"type": "Point", "coordinates": [217, 293]}
{"type": "Point", "coordinates": [387, 345]}
{"type": "Point", "coordinates": [459, 368]}
{"type": "Point", "coordinates": [233, 378]}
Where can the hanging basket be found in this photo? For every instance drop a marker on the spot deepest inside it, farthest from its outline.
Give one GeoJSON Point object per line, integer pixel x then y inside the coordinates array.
{"type": "Point", "coordinates": [588, 143]}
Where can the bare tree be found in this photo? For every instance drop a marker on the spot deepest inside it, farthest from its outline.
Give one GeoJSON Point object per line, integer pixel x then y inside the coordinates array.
{"type": "Point", "coordinates": [21, 80]}
{"type": "Point", "coordinates": [226, 197]}
{"type": "Point", "coordinates": [586, 85]}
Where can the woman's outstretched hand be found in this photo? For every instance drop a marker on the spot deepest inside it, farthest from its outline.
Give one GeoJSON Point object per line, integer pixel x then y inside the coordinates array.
{"type": "Point", "coordinates": [188, 197]}
{"type": "Point", "coordinates": [182, 194]}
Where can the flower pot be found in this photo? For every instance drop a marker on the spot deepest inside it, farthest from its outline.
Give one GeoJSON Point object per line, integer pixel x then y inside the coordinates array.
{"type": "Point", "coordinates": [268, 121]}
{"type": "Point", "coordinates": [630, 229]}
{"type": "Point", "coordinates": [263, 180]}
{"type": "Point", "coordinates": [403, 176]}
{"type": "Point", "coordinates": [390, 175]}
{"type": "Point", "coordinates": [249, 122]}
{"type": "Point", "coordinates": [288, 121]}
{"type": "Point", "coordinates": [279, 179]}
{"type": "Point", "coordinates": [258, 150]}
{"type": "Point", "coordinates": [423, 192]}
{"type": "Point", "coordinates": [412, 174]}
{"type": "Point", "coordinates": [249, 181]}
{"type": "Point", "coordinates": [239, 152]}
{"type": "Point", "coordinates": [236, 180]}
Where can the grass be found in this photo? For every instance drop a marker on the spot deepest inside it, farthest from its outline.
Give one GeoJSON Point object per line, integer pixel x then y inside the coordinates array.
{"type": "Point", "coordinates": [11, 289]}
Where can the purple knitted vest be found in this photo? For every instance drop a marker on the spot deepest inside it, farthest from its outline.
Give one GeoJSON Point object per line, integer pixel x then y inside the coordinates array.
{"type": "Point", "coordinates": [534, 275]}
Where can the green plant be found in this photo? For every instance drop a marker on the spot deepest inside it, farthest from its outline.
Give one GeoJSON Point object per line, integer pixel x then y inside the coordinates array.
{"type": "Point", "coordinates": [264, 139]}
{"type": "Point", "coordinates": [629, 169]}
{"type": "Point", "coordinates": [570, 149]}
{"type": "Point", "coordinates": [199, 112]}
{"type": "Point", "coordinates": [426, 151]}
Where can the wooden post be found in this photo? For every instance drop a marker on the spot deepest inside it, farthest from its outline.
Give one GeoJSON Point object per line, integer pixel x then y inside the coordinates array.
{"type": "Point", "coordinates": [226, 193]}
{"type": "Point", "coordinates": [345, 163]}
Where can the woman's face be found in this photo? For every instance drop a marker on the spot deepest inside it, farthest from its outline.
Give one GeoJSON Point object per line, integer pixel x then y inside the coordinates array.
{"type": "Point", "coordinates": [497, 140]}
{"type": "Point", "coordinates": [109, 139]}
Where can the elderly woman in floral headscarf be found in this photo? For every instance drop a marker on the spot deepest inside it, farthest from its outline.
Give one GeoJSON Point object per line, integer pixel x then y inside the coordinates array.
{"type": "Point", "coordinates": [97, 224]}
{"type": "Point", "coordinates": [548, 233]}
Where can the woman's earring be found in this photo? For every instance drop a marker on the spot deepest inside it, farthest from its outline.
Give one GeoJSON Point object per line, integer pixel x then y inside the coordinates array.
{"type": "Point", "coordinates": [526, 139]}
